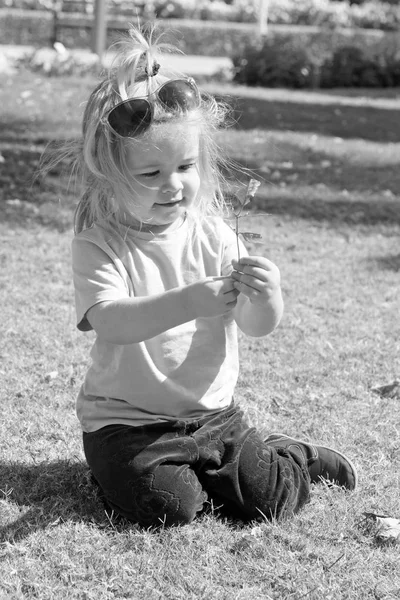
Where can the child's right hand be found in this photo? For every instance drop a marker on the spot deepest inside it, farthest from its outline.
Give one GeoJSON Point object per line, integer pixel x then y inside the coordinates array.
{"type": "Point", "coordinates": [212, 296]}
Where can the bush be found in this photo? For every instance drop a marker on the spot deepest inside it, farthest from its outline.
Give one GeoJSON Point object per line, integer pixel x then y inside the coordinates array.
{"type": "Point", "coordinates": [41, 5]}
{"type": "Point", "coordinates": [290, 63]}
{"type": "Point", "coordinates": [310, 12]}
{"type": "Point", "coordinates": [392, 72]}
{"type": "Point", "coordinates": [26, 27]}
{"type": "Point", "coordinates": [349, 67]}
{"type": "Point", "coordinates": [283, 64]}
{"type": "Point", "coordinates": [371, 14]}
{"type": "Point", "coordinates": [376, 15]}
{"type": "Point", "coordinates": [206, 38]}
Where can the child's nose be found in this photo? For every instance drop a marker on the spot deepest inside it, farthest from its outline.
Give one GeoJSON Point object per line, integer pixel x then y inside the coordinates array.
{"type": "Point", "coordinates": [172, 184]}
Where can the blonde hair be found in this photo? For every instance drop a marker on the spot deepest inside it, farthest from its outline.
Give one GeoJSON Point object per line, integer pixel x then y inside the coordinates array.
{"type": "Point", "coordinates": [98, 158]}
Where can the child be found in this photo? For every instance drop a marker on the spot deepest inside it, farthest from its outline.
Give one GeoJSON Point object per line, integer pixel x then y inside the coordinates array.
{"type": "Point", "coordinates": [156, 278]}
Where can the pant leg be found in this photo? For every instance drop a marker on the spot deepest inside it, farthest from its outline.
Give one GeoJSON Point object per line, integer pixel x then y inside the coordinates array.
{"type": "Point", "coordinates": [145, 473]}
{"type": "Point", "coordinates": [238, 467]}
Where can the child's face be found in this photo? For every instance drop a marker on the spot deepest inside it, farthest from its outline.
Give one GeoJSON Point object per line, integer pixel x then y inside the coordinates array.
{"type": "Point", "coordinates": [164, 166]}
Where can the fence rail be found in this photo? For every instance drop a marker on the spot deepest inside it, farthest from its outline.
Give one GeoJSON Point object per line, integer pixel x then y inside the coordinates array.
{"type": "Point", "coordinates": [207, 38]}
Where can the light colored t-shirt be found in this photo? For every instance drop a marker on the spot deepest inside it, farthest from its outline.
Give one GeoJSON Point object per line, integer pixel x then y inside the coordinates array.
{"type": "Point", "coordinates": [186, 372]}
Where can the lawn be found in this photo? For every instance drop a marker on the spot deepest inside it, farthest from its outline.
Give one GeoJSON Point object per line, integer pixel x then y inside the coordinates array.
{"type": "Point", "coordinates": [331, 185]}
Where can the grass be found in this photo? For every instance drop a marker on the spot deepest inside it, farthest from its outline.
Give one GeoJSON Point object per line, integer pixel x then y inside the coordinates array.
{"type": "Point", "coordinates": [331, 185]}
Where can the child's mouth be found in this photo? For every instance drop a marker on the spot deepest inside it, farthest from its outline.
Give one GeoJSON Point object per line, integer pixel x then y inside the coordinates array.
{"type": "Point", "coordinates": [169, 204]}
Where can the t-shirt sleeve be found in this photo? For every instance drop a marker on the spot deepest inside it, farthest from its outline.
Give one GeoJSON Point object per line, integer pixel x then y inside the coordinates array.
{"type": "Point", "coordinates": [97, 278]}
{"type": "Point", "coordinates": [230, 250]}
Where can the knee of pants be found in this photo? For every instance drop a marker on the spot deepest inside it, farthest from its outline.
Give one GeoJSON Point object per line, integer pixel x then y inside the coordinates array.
{"type": "Point", "coordinates": [171, 495]}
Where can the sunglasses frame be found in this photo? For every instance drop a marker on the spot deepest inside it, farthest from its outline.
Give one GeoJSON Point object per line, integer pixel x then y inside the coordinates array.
{"type": "Point", "coordinates": [148, 107]}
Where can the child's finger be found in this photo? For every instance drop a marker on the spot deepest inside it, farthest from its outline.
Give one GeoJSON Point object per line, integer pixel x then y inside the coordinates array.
{"type": "Point", "coordinates": [219, 277]}
{"type": "Point", "coordinates": [248, 291]}
{"type": "Point", "coordinates": [228, 286]}
{"type": "Point", "coordinates": [254, 283]}
{"type": "Point", "coordinates": [231, 297]}
{"type": "Point", "coordinates": [254, 272]}
{"type": "Point", "coordinates": [253, 261]}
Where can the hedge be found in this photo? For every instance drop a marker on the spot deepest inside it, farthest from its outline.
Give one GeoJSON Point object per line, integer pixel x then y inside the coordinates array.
{"type": "Point", "coordinates": [287, 62]}
{"type": "Point", "coordinates": [26, 27]}
{"type": "Point", "coordinates": [371, 14]}
{"type": "Point", "coordinates": [206, 38]}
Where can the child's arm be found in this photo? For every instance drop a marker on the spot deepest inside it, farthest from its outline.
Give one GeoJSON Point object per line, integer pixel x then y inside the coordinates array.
{"type": "Point", "coordinates": [133, 320]}
{"type": "Point", "coordinates": [259, 306]}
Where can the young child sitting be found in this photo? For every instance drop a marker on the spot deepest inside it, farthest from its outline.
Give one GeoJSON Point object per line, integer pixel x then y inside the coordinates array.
{"type": "Point", "coordinates": [157, 278]}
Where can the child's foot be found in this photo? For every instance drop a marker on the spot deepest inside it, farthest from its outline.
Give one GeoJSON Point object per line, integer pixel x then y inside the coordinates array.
{"type": "Point", "coordinates": [322, 462]}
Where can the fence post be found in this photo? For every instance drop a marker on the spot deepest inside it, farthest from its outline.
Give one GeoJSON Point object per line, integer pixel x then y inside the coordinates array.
{"type": "Point", "coordinates": [263, 6]}
{"type": "Point", "coordinates": [57, 8]}
{"type": "Point", "coordinates": [99, 31]}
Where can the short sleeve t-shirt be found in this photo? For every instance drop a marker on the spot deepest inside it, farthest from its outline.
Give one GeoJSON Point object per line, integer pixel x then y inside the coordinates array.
{"type": "Point", "coordinates": [187, 371]}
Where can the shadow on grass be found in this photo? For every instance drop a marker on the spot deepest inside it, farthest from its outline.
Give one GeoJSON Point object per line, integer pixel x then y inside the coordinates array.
{"type": "Point", "coordinates": [54, 492]}
{"type": "Point", "coordinates": [49, 494]}
{"type": "Point", "coordinates": [25, 132]}
{"type": "Point", "coordinates": [334, 119]}
{"type": "Point", "coordinates": [28, 202]}
{"type": "Point", "coordinates": [49, 203]}
{"type": "Point", "coordinates": [334, 211]}
{"type": "Point", "coordinates": [305, 168]}
{"type": "Point", "coordinates": [389, 263]}
{"type": "Point", "coordinates": [25, 198]}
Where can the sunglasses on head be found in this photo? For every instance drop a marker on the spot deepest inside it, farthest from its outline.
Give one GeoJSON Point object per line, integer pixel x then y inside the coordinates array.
{"type": "Point", "coordinates": [132, 117]}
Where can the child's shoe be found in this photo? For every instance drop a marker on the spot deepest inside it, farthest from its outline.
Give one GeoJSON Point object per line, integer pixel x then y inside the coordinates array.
{"type": "Point", "coordinates": [322, 462]}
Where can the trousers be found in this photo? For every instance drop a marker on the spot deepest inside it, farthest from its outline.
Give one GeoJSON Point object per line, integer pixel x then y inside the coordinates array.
{"type": "Point", "coordinates": [166, 472]}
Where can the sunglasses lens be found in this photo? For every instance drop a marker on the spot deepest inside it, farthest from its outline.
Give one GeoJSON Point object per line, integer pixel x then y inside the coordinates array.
{"type": "Point", "coordinates": [179, 94]}
{"type": "Point", "coordinates": [133, 117]}
{"type": "Point", "coordinates": [130, 118]}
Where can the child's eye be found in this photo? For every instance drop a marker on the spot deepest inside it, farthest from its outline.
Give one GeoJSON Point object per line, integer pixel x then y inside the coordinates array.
{"type": "Point", "coordinates": [187, 167]}
{"type": "Point", "coordinates": [150, 174]}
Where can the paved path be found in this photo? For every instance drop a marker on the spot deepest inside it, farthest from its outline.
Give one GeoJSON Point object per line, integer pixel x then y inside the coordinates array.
{"type": "Point", "coordinates": [190, 65]}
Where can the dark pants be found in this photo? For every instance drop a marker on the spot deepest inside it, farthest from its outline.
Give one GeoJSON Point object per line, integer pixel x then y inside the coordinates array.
{"type": "Point", "coordinates": [166, 472]}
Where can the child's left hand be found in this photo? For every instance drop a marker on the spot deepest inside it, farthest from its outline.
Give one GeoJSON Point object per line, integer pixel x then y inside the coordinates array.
{"type": "Point", "coordinates": [257, 278]}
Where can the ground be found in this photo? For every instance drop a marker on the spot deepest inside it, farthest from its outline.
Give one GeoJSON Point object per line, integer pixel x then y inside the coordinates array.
{"type": "Point", "coordinates": [329, 165]}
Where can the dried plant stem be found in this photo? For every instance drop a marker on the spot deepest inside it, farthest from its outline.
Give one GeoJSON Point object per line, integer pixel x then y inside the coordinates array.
{"type": "Point", "coordinates": [237, 236]}
{"type": "Point", "coordinates": [252, 187]}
